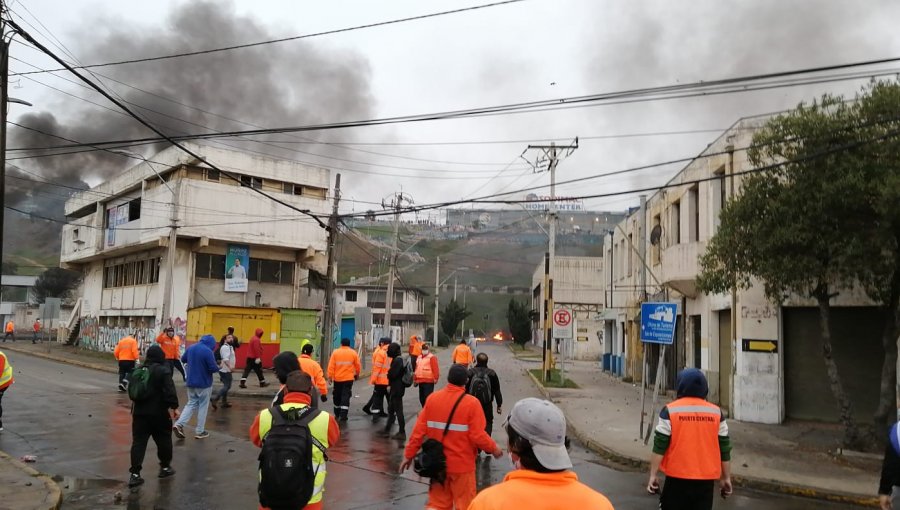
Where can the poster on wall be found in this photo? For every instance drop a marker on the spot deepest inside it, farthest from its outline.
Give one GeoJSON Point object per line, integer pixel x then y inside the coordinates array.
{"type": "Point", "coordinates": [237, 264]}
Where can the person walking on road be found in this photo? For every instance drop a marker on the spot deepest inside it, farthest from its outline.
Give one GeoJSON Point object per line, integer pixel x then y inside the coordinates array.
{"type": "Point", "coordinates": [692, 447]}
{"type": "Point", "coordinates": [343, 369]}
{"type": "Point", "coordinates": [415, 349]}
{"type": "Point", "coordinates": [10, 331]}
{"type": "Point", "coordinates": [6, 380]}
{"type": "Point", "coordinates": [127, 354]}
{"type": "Point", "coordinates": [226, 367]}
{"type": "Point", "coordinates": [312, 367]}
{"type": "Point", "coordinates": [201, 366]}
{"type": "Point", "coordinates": [462, 355]}
{"type": "Point", "coordinates": [888, 492]}
{"type": "Point", "coordinates": [152, 417]}
{"type": "Point", "coordinates": [171, 346]}
{"type": "Point", "coordinates": [322, 428]}
{"type": "Point", "coordinates": [484, 385]}
{"type": "Point", "coordinates": [456, 420]}
{"type": "Point", "coordinates": [35, 330]}
{"type": "Point", "coordinates": [543, 478]}
{"type": "Point", "coordinates": [396, 391]}
{"type": "Point", "coordinates": [283, 364]}
{"type": "Point", "coordinates": [428, 372]}
{"type": "Point", "coordinates": [254, 360]}
{"type": "Point", "coordinates": [380, 366]}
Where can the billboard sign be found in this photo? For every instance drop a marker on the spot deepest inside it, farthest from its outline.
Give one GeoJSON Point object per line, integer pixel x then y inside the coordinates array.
{"type": "Point", "coordinates": [237, 267]}
{"type": "Point", "coordinates": [658, 323]}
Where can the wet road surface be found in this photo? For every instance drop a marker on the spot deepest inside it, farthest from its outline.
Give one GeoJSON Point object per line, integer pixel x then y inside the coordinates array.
{"type": "Point", "coordinates": [79, 428]}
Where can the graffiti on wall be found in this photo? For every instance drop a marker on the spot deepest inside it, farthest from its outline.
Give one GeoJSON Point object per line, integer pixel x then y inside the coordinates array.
{"type": "Point", "coordinates": [103, 338]}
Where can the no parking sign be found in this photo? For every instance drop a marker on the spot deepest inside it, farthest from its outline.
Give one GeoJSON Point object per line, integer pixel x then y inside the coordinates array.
{"type": "Point", "coordinates": [562, 323]}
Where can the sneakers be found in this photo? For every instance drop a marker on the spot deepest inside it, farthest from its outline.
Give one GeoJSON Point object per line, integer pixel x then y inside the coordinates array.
{"type": "Point", "coordinates": [121, 388]}
{"type": "Point", "coordinates": [201, 435]}
{"type": "Point", "coordinates": [135, 480]}
{"type": "Point", "coordinates": [214, 405]}
{"type": "Point", "coordinates": [166, 472]}
{"type": "Point", "coordinates": [263, 384]}
{"type": "Point", "coordinates": [179, 431]}
{"type": "Point", "coordinates": [243, 384]}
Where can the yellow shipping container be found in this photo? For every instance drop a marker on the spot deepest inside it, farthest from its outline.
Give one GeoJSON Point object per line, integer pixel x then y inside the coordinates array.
{"type": "Point", "coordinates": [215, 320]}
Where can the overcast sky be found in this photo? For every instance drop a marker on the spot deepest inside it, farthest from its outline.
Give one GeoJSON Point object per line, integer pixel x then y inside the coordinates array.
{"type": "Point", "coordinates": [536, 49]}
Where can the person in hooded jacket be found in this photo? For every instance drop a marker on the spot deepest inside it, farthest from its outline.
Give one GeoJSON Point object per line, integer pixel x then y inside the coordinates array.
{"type": "Point", "coordinates": [284, 365]}
{"type": "Point", "coordinates": [691, 446]}
{"type": "Point", "coordinates": [254, 360]}
{"type": "Point", "coordinates": [396, 390]}
{"type": "Point", "coordinates": [152, 417]}
{"type": "Point", "coordinates": [201, 366]}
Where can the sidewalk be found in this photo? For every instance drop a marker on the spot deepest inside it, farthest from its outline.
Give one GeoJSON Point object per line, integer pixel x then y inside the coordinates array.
{"type": "Point", "coordinates": [795, 458]}
{"type": "Point", "coordinates": [23, 488]}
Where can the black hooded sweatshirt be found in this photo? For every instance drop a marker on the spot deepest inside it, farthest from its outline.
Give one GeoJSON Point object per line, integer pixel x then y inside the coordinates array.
{"type": "Point", "coordinates": [162, 395]}
{"type": "Point", "coordinates": [395, 372]}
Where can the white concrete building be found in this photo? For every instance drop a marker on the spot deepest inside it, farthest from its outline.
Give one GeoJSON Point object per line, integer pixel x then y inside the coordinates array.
{"type": "Point", "coordinates": [407, 307]}
{"type": "Point", "coordinates": [117, 236]}
{"type": "Point", "coordinates": [577, 286]}
{"type": "Point", "coordinates": [764, 362]}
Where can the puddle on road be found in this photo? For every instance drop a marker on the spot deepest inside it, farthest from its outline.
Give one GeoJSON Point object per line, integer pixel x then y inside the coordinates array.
{"type": "Point", "coordinates": [85, 494]}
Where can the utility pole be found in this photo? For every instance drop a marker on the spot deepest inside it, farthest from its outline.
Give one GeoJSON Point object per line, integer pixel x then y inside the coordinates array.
{"type": "Point", "coordinates": [396, 204]}
{"type": "Point", "coordinates": [4, 110]}
{"type": "Point", "coordinates": [328, 307]}
{"type": "Point", "coordinates": [166, 318]}
{"type": "Point", "coordinates": [437, 290]}
{"type": "Point", "coordinates": [548, 159]}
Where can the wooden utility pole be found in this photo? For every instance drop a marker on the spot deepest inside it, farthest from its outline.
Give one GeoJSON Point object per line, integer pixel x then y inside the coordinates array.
{"type": "Point", "coordinates": [4, 109]}
{"type": "Point", "coordinates": [328, 310]}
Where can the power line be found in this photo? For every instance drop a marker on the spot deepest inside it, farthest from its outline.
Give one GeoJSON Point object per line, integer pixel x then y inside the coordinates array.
{"type": "Point", "coordinates": [284, 39]}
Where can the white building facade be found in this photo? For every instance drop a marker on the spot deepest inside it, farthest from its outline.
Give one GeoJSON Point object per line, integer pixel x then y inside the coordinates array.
{"type": "Point", "coordinates": [117, 235]}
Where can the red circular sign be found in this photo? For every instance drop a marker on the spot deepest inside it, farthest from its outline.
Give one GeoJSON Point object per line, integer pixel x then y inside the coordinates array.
{"type": "Point", "coordinates": [562, 317]}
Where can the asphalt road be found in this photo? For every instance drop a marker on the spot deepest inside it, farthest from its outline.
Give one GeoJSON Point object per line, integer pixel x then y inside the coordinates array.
{"type": "Point", "coordinates": [78, 426]}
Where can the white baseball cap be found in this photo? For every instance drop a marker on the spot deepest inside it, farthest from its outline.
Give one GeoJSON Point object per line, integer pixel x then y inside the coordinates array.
{"type": "Point", "coordinates": [544, 426]}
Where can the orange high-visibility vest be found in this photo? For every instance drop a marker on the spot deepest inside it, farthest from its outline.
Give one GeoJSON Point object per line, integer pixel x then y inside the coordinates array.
{"type": "Point", "coordinates": [415, 346]}
{"type": "Point", "coordinates": [462, 355]}
{"type": "Point", "coordinates": [424, 371]}
{"type": "Point", "coordinates": [343, 365]}
{"type": "Point", "coordinates": [127, 349]}
{"type": "Point", "coordinates": [380, 365]}
{"type": "Point", "coordinates": [10, 327]}
{"type": "Point", "coordinates": [693, 452]}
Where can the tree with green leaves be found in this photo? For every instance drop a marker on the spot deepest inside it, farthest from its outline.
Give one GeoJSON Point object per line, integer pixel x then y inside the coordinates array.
{"type": "Point", "coordinates": [451, 316]}
{"type": "Point", "coordinates": [799, 227]}
{"type": "Point", "coordinates": [518, 316]}
{"type": "Point", "coordinates": [55, 282]}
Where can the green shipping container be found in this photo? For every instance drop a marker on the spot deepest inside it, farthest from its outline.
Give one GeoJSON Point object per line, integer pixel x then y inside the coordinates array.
{"type": "Point", "coordinates": [298, 325]}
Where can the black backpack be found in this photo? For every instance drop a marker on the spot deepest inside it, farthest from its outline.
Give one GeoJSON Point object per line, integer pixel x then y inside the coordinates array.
{"type": "Point", "coordinates": [480, 387]}
{"type": "Point", "coordinates": [286, 475]}
{"type": "Point", "coordinates": [431, 462]}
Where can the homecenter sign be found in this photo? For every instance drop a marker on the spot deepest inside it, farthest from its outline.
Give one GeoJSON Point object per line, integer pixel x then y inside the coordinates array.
{"type": "Point", "coordinates": [562, 203]}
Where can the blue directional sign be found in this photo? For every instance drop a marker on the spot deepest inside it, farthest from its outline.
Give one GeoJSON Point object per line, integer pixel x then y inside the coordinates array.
{"type": "Point", "coordinates": [658, 323]}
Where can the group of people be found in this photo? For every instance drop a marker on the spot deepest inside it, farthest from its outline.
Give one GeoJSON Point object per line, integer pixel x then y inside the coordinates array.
{"type": "Point", "coordinates": [10, 331]}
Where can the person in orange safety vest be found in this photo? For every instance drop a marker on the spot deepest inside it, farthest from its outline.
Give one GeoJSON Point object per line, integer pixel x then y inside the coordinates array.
{"type": "Point", "coordinates": [543, 478]}
{"type": "Point", "coordinates": [10, 331]}
{"type": "Point", "coordinates": [691, 446]}
{"type": "Point", "coordinates": [415, 349]}
{"type": "Point", "coordinates": [343, 369]}
{"type": "Point", "coordinates": [427, 374]}
{"type": "Point", "coordinates": [171, 346]}
{"type": "Point", "coordinates": [379, 379]}
{"type": "Point", "coordinates": [312, 367]}
{"type": "Point", "coordinates": [461, 435]}
{"type": "Point", "coordinates": [127, 354]}
{"type": "Point", "coordinates": [462, 354]}
{"type": "Point", "coordinates": [6, 380]}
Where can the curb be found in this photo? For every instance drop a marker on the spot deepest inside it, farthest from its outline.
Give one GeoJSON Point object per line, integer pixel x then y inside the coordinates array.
{"type": "Point", "coordinates": [54, 493]}
{"type": "Point", "coordinates": [759, 484]}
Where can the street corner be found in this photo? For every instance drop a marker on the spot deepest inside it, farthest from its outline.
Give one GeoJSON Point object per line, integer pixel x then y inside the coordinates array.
{"type": "Point", "coordinates": [24, 488]}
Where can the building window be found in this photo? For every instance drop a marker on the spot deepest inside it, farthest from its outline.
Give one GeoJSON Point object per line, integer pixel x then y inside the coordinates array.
{"type": "Point", "coordinates": [655, 240]}
{"type": "Point", "coordinates": [719, 197]}
{"type": "Point", "coordinates": [630, 254]}
{"type": "Point", "coordinates": [251, 182]}
{"type": "Point", "coordinates": [212, 175]}
{"type": "Point", "coordinates": [350, 296]}
{"type": "Point", "coordinates": [694, 212]}
{"type": "Point", "coordinates": [134, 209]}
{"type": "Point", "coordinates": [209, 266]}
{"type": "Point", "coordinates": [127, 274]}
{"type": "Point", "coordinates": [675, 228]}
{"type": "Point", "coordinates": [292, 189]}
{"type": "Point", "coordinates": [75, 234]}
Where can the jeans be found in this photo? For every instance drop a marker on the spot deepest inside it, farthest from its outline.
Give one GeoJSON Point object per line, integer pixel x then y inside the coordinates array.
{"type": "Point", "coordinates": [198, 400]}
{"type": "Point", "coordinates": [125, 370]}
{"type": "Point", "coordinates": [257, 368]}
{"type": "Point", "coordinates": [142, 429]}
{"type": "Point", "coordinates": [226, 378]}
{"type": "Point", "coordinates": [425, 389]}
{"type": "Point", "coordinates": [342, 393]}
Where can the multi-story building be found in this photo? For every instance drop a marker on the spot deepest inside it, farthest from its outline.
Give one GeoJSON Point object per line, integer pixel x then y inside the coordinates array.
{"type": "Point", "coordinates": [407, 305]}
{"type": "Point", "coordinates": [763, 359]}
{"type": "Point", "coordinates": [118, 234]}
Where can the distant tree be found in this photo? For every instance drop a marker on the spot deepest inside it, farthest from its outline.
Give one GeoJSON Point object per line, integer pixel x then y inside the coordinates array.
{"type": "Point", "coordinates": [518, 315]}
{"type": "Point", "coordinates": [9, 268]}
{"type": "Point", "coordinates": [56, 283]}
{"type": "Point", "coordinates": [451, 316]}
{"type": "Point", "coordinates": [804, 227]}
{"type": "Point", "coordinates": [370, 215]}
